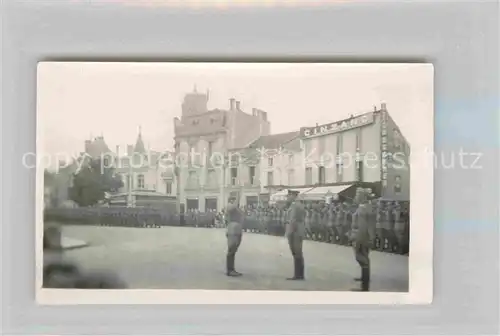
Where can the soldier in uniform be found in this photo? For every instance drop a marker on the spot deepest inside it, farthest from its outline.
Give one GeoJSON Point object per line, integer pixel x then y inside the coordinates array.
{"type": "Point", "coordinates": [331, 224]}
{"type": "Point", "coordinates": [379, 225]}
{"type": "Point", "coordinates": [399, 227]}
{"type": "Point", "coordinates": [340, 224]}
{"type": "Point", "coordinates": [234, 217]}
{"type": "Point", "coordinates": [362, 236]}
{"type": "Point", "coordinates": [307, 221]}
{"type": "Point", "coordinates": [295, 232]}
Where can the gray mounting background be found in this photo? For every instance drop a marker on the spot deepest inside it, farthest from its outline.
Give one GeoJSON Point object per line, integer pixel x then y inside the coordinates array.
{"type": "Point", "coordinates": [460, 38]}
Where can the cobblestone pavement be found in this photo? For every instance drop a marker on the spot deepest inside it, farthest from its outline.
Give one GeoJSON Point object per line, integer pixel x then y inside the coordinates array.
{"type": "Point", "coordinates": [194, 258]}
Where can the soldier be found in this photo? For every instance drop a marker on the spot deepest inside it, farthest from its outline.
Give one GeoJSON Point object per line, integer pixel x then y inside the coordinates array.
{"type": "Point", "coordinates": [295, 232]}
{"type": "Point", "coordinates": [324, 223]}
{"type": "Point", "coordinates": [234, 217]}
{"type": "Point", "coordinates": [399, 226]}
{"type": "Point", "coordinates": [340, 223]}
{"type": "Point", "coordinates": [307, 221]}
{"type": "Point", "coordinates": [362, 235]}
{"type": "Point", "coordinates": [386, 226]}
{"type": "Point", "coordinates": [380, 239]}
{"type": "Point", "coordinates": [331, 223]}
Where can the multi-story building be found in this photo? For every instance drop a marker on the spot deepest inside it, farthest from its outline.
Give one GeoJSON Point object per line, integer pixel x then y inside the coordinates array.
{"type": "Point", "coordinates": [203, 141]}
{"type": "Point", "coordinates": [279, 161]}
{"type": "Point", "coordinates": [367, 148]}
{"type": "Point", "coordinates": [148, 176]}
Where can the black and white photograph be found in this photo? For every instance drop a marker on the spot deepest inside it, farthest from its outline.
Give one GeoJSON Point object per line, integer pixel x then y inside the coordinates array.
{"type": "Point", "coordinates": [234, 182]}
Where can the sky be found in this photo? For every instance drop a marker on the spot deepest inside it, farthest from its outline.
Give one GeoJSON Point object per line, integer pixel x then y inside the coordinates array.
{"type": "Point", "coordinates": [79, 100]}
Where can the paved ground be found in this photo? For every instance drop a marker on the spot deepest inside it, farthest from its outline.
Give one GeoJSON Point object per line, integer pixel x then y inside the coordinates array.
{"type": "Point", "coordinates": [194, 258]}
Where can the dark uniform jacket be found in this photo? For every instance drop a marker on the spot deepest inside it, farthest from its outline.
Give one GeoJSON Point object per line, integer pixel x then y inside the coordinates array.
{"type": "Point", "coordinates": [363, 225]}
{"type": "Point", "coordinates": [234, 218]}
{"type": "Point", "coordinates": [296, 220]}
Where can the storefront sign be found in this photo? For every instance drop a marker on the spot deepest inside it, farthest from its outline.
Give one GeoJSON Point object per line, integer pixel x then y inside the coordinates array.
{"type": "Point", "coordinates": [384, 150]}
{"type": "Point", "coordinates": [339, 126]}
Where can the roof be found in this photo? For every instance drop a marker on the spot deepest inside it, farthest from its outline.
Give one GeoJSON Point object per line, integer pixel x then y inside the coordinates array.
{"type": "Point", "coordinates": [97, 147]}
{"type": "Point", "coordinates": [274, 141]}
{"type": "Point", "coordinates": [137, 193]}
{"type": "Point", "coordinates": [139, 145]}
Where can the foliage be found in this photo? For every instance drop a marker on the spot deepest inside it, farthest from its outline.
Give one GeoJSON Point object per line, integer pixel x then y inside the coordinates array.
{"type": "Point", "coordinates": [92, 182]}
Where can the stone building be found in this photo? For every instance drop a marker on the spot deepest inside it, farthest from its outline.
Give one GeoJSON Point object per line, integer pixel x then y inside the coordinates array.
{"type": "Point", "coordinates": [367, 148]}
{"type": "Point", "coordinates": [203, 140]}
{"type": "Point", "coordinates": [146, 174]}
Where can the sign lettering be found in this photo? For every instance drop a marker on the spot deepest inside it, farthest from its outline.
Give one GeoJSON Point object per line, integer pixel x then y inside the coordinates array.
{"type": "Point", "coordinates": [344, 125]}
{"type": "Point", "coordinates": [384, 152]}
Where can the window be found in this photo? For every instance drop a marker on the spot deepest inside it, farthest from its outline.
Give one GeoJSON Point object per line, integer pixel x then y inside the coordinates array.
{"type": "Point", "coordinates": [210, 149]}
{"type": "Point", "coordinates": [339, 144]}
{"type": "Point", "coordinates": [193, 179]}
{"type": "Point", "coordinates": [270, 180]}
{"type": "Point", "coordinates": [321, 145]}
{"type": "Point", "coordinates": [211, 177]}
{"type": "Point", "coordinates": [270, 162]}
{"type": "Point", "coordinates": [397, 184]}
{"type": "Point", "coordinates": [234, 176]}
{"type": "Point", "coordinates": [291, 181]}
{"type": "Point", "coordinates": [169, 188]}
{"type": "Point", "coordinates": [307, 146]}
{"type": "Point", "coordinates": [290, 159]}
{"type": "Point", "coordinates": [309, 176]}
{"type": "Point", "coordinates": [140, 181]}
{"type": "Point", "coordinates": [397, 140]}
{"type": "Point", "coordinates": [358, 140]}
{"type": "Point", "coordinates": [359, 170]}
{"type": "Point", "coordinates": [251, 173]}
{"type": "Point", "coordinates": [321, 175]}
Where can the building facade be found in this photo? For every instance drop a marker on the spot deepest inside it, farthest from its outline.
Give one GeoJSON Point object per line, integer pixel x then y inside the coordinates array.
{"type": "Point", "coordinates": [204, 140]}
{"type": "Point", "coordinates": [145, 172]}
{"type": "Point", "coordinates": [367, 148]}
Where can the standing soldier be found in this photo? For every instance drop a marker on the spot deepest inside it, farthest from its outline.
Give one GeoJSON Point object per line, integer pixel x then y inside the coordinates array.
{"type": "Point", "coordinates": [362, 235]}
{"type": "Point", "coordinates": [381, 224]}
{"type": "Point", "coordinates": [307, 221]}
{"type": "Point", "coordinates": [315, 222]}
{"type": "Point", "coordinates": [324, 223]}
{"type": "Point", "coordinates": [331, 224]}
{"type": "Point", "coordinates": [295, 232]}
{"type": "Point", "coordinates": [399, 227]}
{"type": "Point", "coordinates": [234, 217]}
{"type": "Point", "coordinates": [340, 223]}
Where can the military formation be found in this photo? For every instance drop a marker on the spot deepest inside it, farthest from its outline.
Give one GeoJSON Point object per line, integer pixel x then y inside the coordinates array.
{"type": "Point", "coordinates": [324, 222]}
{"type": "Point", "coordinates": [365, 223]}
{"type": "Point", "coordinates": [329, 222]}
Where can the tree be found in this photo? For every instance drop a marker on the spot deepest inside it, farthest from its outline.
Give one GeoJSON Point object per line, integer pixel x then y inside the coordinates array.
{"type": "Point", "coordinates": [92, 182]}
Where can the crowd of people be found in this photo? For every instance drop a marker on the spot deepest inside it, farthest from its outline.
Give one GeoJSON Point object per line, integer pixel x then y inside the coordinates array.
{"type": "Point", "coordinates": [324, 222]}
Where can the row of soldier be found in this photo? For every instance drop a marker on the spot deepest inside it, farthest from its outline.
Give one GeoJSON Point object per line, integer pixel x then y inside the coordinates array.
{"type": "Point", "coordinates": [325, 222]}
{"type": "Point", "coordinates": [361, 231]}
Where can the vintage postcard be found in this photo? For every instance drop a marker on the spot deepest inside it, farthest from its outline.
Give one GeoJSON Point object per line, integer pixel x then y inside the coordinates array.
{"type": "Point", "coordinates": [234, 183]}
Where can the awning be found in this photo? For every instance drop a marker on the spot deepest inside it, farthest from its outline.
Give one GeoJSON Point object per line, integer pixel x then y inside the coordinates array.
{"type": "Point", "coordinates": [321, 193]}
{"type": "Point", "coordinates": [283, 194]}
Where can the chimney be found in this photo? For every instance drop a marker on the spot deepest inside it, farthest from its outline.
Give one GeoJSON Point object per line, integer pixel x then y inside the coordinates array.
{"type": "Point", "coordinates": [88, 143]}
{"type": "Point", "coordinates": [130, 150]}
{"type": "Point", "coordinates": [254, 111]}
{"type": "Point", "coordinates": [238, 105]}
{"type": "Point", "coordinates": [117, 150]}
{"type": "Point", "coordinates": [374, 108]}
{"type": "Point", "coordinates": [383, 107]}
{"type": "Point", "coordinates": [231, 104]}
